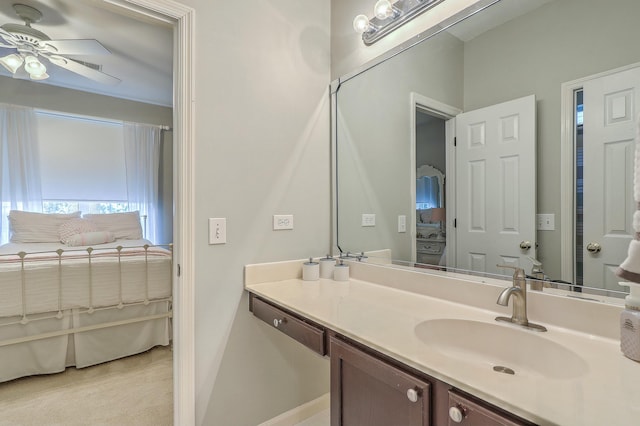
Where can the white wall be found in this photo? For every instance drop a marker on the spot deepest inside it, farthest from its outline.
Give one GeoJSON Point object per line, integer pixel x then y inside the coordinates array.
{"type": "Point", "coordinates": [262, 148]}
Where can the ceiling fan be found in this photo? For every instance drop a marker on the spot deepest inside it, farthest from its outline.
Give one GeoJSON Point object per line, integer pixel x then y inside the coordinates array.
{"type": "Point", "coordinates": [32, 45]}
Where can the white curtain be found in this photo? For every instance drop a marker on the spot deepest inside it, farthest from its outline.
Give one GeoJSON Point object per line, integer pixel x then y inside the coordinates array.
{"type": "Point", "coordinates": [20, 184]}
{"type": "Point", "coordinates": [142, 159]}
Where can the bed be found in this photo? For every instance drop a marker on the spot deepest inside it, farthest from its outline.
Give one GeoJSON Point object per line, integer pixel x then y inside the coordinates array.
{"type": "Point", "coordinates": [81, 305]}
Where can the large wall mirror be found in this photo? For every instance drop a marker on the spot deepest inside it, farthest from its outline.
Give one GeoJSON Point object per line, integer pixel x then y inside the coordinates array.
{"type": "Point", "coordinates": [507, 138]}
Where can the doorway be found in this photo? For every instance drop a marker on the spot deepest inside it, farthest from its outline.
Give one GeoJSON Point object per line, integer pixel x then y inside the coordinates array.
{"type": "Point", "coordinates": [433, 168]}
{"type": "Point", "coordinates": [599, 113]}
{"type": "Point", "coordinates": [183, 20]}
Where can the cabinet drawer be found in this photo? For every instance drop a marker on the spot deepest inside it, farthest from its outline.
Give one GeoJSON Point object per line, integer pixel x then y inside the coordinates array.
{"type": "Point", "coordinates": [471, 413]}
{"type": "Point", "coordinates": [430, 248]}
{"type": "Point", "coordinates": [310, 335]}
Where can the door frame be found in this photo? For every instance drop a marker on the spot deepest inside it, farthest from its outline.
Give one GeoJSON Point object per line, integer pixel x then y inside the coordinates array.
{"type": "Point", "coordinates": [446, 112]}
{"type": "Point", "coordinates": [183, 19]}
{"type": "Point", "coordinates": [567, 169]}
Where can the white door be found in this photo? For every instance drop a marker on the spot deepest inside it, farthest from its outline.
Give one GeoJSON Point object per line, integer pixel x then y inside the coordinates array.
{"type": "Point", "coordinates": [610, 110]}
{"type": "Point", "coordinates": [496, 186]}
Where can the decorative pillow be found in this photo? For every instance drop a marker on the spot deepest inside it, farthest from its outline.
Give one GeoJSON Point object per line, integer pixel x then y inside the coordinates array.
{"type": "Point", "coordinates": [74, 227]}
{"type": "Point", "coordinates": [123, 225]}
{"type": "Point", "coordinates": [90, 238]}
{"type": "Point", "coordinates": [32, 227]}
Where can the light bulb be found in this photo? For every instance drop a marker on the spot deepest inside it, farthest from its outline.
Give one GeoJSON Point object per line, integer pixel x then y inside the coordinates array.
{"type": "Point", "coordinates": [11, 62]}
{"type": "Point", "coordinates": [383, 9]}
{"type": "Point", "coordinates": [361, 23]}
{"type": "Point", "coordinates": [33, 66]}
{"type": "Point", "coordinates": [42, 76]}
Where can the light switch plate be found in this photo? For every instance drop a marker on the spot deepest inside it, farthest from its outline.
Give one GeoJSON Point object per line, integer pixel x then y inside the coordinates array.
{"type": "Point", "coordinates": [218, 230]}
{"type": "Point", "coordinates": [368, 219]}
{"type": "Point", "coordinates": [402, 223]}
{"type": "Point", "coordinates": [546, 222]}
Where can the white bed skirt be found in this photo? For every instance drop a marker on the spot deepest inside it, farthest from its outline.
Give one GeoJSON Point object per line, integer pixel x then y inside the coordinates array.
{"type": "Point", "coordinates": [54, 354]}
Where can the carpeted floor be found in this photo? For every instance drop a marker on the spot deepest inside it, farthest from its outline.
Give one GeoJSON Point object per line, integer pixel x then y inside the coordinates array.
{"type": "Point", "coordinates": [133, 391]}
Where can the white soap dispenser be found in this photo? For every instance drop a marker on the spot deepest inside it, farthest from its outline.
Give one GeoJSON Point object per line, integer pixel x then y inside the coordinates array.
{"type": "Point", "coordinates": [630, 322]}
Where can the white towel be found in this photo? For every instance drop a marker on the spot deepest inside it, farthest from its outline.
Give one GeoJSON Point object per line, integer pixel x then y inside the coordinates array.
{"type": "Point", "coordinates": [630, 268]}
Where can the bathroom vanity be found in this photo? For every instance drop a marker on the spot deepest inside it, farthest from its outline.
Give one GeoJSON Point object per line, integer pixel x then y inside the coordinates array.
{"type": "Point", "coordinates": [414, 348]}
{"type": "Point", "coordinates": [370, 388]}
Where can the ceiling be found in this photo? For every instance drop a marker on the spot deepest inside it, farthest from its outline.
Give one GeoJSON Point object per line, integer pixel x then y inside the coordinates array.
{"type": "Point", "coordinates": [141, 47]}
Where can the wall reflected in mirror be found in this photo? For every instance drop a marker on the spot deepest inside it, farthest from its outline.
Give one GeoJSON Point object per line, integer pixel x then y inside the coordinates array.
{"type": "Point", "coordinates": [403, 114]}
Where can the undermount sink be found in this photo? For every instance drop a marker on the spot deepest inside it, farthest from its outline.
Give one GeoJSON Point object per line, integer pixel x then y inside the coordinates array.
{"type": "Point", "coordinates": [503, 348]}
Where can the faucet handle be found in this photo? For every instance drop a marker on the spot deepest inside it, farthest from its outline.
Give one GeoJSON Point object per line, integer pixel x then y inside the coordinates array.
{"type": "Point", "coordinates": [517, 271]}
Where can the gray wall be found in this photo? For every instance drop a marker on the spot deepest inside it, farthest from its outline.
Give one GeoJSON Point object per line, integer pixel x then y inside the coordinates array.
{"type": "Point", "coordinates": [348, 52]}
{"type": "Point", "coordinates": [262, 147]}
{"type": "Point", "coordinates": [374, 141]}
{"type": "Point", "coordinates": [49, 97]}
{"type": "Point", "coordinates": [430, 144]}
{"type": "Point", "coordinates": [530, 55]}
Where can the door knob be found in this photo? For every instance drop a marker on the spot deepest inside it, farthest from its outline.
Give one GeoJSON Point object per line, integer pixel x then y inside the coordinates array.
{"type": "Point", "coordinates": [594, 248]}
{"type": "Point", "coordinates": [525, 245]}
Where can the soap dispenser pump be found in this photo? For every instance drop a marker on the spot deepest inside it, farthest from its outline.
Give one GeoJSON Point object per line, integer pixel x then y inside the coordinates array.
{"type": "Point", "coordinates": [630, 322]}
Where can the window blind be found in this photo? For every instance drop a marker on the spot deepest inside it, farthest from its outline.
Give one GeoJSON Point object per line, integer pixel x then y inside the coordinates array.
{"type": "Point", "coordinates": [81, 159]}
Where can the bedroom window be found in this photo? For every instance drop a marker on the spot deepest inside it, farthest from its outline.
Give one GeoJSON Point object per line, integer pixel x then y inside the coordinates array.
{"type": "Point", "coordinates": [54, 206]}
{"type": "Point", "coordinates": [78, 163]}
{"type": "Point", "coordinates": [81, 161]}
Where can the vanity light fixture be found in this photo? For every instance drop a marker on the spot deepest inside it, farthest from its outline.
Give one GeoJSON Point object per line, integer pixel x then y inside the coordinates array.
{"type": "Point", "coordinates": [389, 16]}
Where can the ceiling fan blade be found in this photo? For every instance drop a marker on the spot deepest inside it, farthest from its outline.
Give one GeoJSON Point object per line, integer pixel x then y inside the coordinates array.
{"type": "Point", "coordinates": [82, 70]}
{"type": "Point", "coordinates": [75, 47]}
{"type": "Point", "coordinates": [8, 37]}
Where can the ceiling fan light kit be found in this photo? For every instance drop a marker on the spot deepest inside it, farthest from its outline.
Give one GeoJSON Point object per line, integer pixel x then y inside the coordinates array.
{"type": "Point", "coordinates": [12, 62]}
{"type": "Point", "coordinates": [29, 44]}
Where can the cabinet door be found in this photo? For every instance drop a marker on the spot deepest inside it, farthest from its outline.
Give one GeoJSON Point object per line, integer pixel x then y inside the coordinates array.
{"type": "Point", "coordinates": [368, 391]}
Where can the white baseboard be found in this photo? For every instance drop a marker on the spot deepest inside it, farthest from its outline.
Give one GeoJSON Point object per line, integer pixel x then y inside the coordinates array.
{"type": "Point", "coordinates": [300, 413]}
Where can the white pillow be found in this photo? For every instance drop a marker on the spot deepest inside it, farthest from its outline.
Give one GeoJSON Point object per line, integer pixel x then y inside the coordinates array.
{"type": "Point", "coordinates": [32, 227]}
{"type": "Point", "coordinates": [90, 238]}
{"type": "Point", "coordinates": [74, 227]}
{"type": "Point", "coordinates": [123, 225]}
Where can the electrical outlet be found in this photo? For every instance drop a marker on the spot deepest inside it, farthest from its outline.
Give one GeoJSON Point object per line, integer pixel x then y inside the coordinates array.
{"type": "Point", "coordinates": [546, 222]}
{"type": "Point", "coordinates": [282, 222]}
{"type": "Point", "coordinates": [368, 219]}
{"type": "Point", "coordinates": [402, 223]}
{"type": "Point", "coordinates": [218, 230]}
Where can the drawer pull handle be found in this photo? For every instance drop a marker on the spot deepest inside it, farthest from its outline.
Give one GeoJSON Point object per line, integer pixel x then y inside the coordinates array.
{"type": "Point", "coordinates": [277, 322]}
{"type": "Point", "coordinates": [413, 395]}
{"type": "Point", "coordinates": [456, 414]}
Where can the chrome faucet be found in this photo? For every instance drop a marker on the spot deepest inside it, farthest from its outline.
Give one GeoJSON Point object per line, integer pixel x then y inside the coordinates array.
{"type": "Point", "coordinates": [518, 292]}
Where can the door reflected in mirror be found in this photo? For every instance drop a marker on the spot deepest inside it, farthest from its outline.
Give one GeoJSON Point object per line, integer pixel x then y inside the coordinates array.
{"type": "Point", "coordinates": [569, 186]}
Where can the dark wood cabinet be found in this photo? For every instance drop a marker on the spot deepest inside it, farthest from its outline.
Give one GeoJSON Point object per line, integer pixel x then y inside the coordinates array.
{"type": "Point", "coordinates": [373, 389]}
{"type": "Point", "coordinates": [368, 391]}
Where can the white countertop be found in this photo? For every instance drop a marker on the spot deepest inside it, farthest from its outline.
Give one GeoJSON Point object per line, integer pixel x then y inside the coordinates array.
{"type": "Point", "coordinates": [384, 318]}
